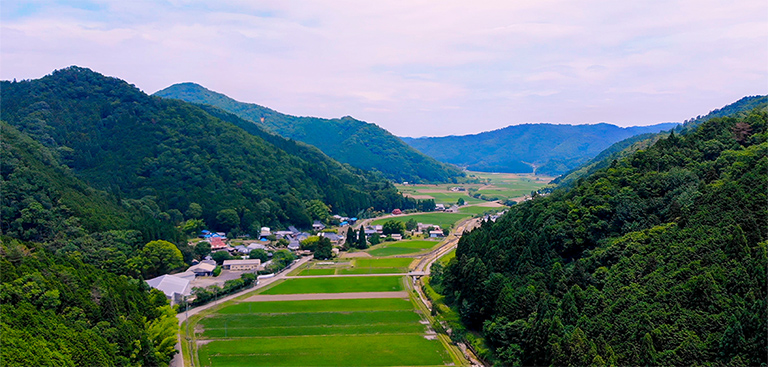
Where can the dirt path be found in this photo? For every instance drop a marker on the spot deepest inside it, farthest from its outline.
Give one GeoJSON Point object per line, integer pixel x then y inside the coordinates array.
{"type": "Point", "coordinates": [321, 296]}
{"type": "Point", "coordinates": [348, 255]}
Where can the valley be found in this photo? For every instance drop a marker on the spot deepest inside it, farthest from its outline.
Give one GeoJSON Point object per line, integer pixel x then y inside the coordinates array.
{"type": "Point", "coordinates": [131, 222]}
{"type": "Point", "coordinates": [309, 317]}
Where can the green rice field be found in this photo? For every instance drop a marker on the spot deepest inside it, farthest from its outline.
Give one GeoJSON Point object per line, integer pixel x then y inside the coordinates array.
{"type": "Point", "coordinates": [359, 265]}
{"type": "Point", "coordinates": [336, 285]}
{"type": "Point", "coordinates": [500, 185]}
{"type": "Point", "coordinates": [340, 350]}
{"type": "Point", "coordinates": [444, 220]}
{"type": "Point", "coordinates": [401, 247]}
{"type": "Point", "coordinates": [350, 332]}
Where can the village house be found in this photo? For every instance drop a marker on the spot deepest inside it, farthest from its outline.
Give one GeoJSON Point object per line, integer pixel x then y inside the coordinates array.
{"type": "Point", "coordinates": [436, 233]}
{"type": "Point", "coordinates": [256, 246]}
{"type": "Point", "coordinates": [396, 236]}
{"type": "Point", "coordinates": [217, 243]}
{"type": "Point", "coordinates": [335, 238]}
{"type": "Point", "coordinates": [241, 265]}
{"type": "Point", "coordinates": [175, 288]}
{"type": "Point", "coordinates": [317, 226]}
{"type": "Point", "coordinates": [202, 269]}
{"type": "Point", "coordinates": [452, 209]}
{"type": "Point", "coordinates": [265, 232]}
{"type": "Point", "coordinates": [294, 245]}
{"type": "Point", "coordinates": [439, 207]}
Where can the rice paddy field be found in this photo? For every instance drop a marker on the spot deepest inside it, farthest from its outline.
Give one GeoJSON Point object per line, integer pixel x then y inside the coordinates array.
{"type": "Point", "coordinates": [444, 220]}
{"type": "Point", "coordinates": [328, 332]}
{"type": "Point", "coordinates": [401, 247]}
{"type": "Point", "coordinates": [359, 265]}
{"type": "Point", "coordinates": [501, 185]}
{"type": "Point", "coordinates": [336, 285]}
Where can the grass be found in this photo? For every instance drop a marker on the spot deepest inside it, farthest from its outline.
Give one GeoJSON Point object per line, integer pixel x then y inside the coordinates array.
{"type": "Point", "coordinates": [329, 305]}
{"type": "Point", "coordinates": [401, 247]}
{"type": "Point", "coordinates": [336, 285]}
{"type": "Point", "coordinates": [354, 332]}
{"type": "Point", "coordinates": [303, 319]}
{"type": "Point", "coordinates": [447, 257]}
{"type": "Point", "coordinates": [444, 220]}
{"type": "Point", "coordinates": [342, 350]}
{"type": "Point", "coordinates": [475, 210]}
{"type": "Point", "coordinates": [317, 272]}
{"type": "Point", "coordinates": [501, 185]}
{"type": "Point", "coordinates": [382, 263]}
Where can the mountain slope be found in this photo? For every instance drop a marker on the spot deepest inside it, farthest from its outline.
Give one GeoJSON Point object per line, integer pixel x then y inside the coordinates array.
{"type": "Point", "coordinates": [347, 140]}
{"type": "Point", "coordinates": [552, 149]}
{"type": "Point", "coordinates": [171, 154]}
{"type": "Point", "coordinates": [629, 146]}
{"type": "Point", "coordinates": [658, 259]}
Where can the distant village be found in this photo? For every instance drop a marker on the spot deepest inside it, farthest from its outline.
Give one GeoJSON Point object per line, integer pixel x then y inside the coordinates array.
{"type": "Point", "coordinates": [238, 259]}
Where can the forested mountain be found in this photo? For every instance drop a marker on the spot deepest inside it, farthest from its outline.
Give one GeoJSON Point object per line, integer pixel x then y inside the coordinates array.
{"type": "Point", "coordinates": [629, 146]}
{"type": "Point", "coordinates": [95, 176]}
{"type": "Point", "coordinates": [170, 154]}
{"type": "Point", "coordinates": [552, 149]}
{"type": "Point", "coordinates": [659, 259]}
{"type": "Point", "coordinates": [740, 107]}
{"type": "Point", "coordinates": [358, 143]}
{"type": "Point", "coordinates": [57, 311]}
{"type": "Point", "coordinates": [63, 299]}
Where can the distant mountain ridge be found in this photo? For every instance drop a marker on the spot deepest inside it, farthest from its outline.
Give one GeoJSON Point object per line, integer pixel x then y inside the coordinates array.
{"type": "Point", "coordinates": [357, 143]}
{"type": "Point", "coordinates": [546, 148]}
{"type": "Point", "coordinates": [630, 145]}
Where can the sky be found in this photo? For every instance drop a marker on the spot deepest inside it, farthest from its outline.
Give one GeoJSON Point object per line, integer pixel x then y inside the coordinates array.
{"type": "Point", "coordinates": [416, 68]}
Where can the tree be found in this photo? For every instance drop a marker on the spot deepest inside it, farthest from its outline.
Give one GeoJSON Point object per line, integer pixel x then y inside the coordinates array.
{"type": "Point", "coordinates": [202, 249]}
{"type": "Point", "coordinates": [192, 226]}
{"type": "Point", "coordinates": [351, 237]}
{"type": "Point", "coordinates": [220, 256]}
{"type": "Point", "coordinates": [411, 224]}
{"type": "Point", "coordinates": [310, 244]}
{"type": "Point", "coordinates": [317, 210]}
{"type": "Point", "coordinates": [324, 249]}
{"type": "Point", "coordinates": [362, 243]}
{"type": "Point", "coordinates": [460, 202]}
{"type": "Point", "coordinates": [374, 239]}
{"type": "Point", "coordinates": [228, 219]}
{"type": "Point", "coordinates": [392, 227]}
{"type": "Point", "coordinates": [194, 211]}
{"type": "Point", "coordinates": [259, 254]}
{"type": "Point", "coordinates": [160, 257]}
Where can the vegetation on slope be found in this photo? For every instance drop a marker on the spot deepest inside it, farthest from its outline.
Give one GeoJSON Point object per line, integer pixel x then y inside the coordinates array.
{"type": "Point", "coordinates": [658, 259]}
{"type": "Point", "coordinates": [551, 149]}
{"type": "Point", "coordinates": [347, 140]}
{"type": "Point", "coordinates": [58, 311]}
{"type": "Point", "coordinates": [178, 158]}
{"type": "Point", "coordinates": [631, 145]}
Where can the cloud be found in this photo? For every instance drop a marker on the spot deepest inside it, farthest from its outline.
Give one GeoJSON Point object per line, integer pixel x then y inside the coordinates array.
{"type": "Point", "coordinates": [414, 67]}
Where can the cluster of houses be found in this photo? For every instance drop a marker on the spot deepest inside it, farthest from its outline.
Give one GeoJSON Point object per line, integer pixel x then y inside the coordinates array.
{"type": "Point", "coordinates": [433, 230]}
{"type": "Point", "coordinates": [452, 209]}
{"type": "Point", "coordinates": [178, 286]}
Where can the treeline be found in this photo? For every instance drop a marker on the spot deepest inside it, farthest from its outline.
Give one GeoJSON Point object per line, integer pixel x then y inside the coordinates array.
{"type": "Point", "coordinates": [166, 155]}
{"type": "Point", "coordinates": [658, 259]}
{"type": "Point", "coordinates": [58, 311]}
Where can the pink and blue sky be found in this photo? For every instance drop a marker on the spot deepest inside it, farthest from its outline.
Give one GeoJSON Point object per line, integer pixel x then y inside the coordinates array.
{"type": "Point", "coordinates": [413, 67]}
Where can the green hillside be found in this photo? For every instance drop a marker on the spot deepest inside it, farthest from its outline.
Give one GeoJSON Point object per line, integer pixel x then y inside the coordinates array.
{"type": "Point", "coordinates": [658, 259]}
{"type": "Point", "coordinates": [171, 154]}
{"type": "Point", "coordinates": [629, 146]}
{"type": "Point", "coordinates": [358, 143]}
{"type": "Point", "coordinates": [549, 148]}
